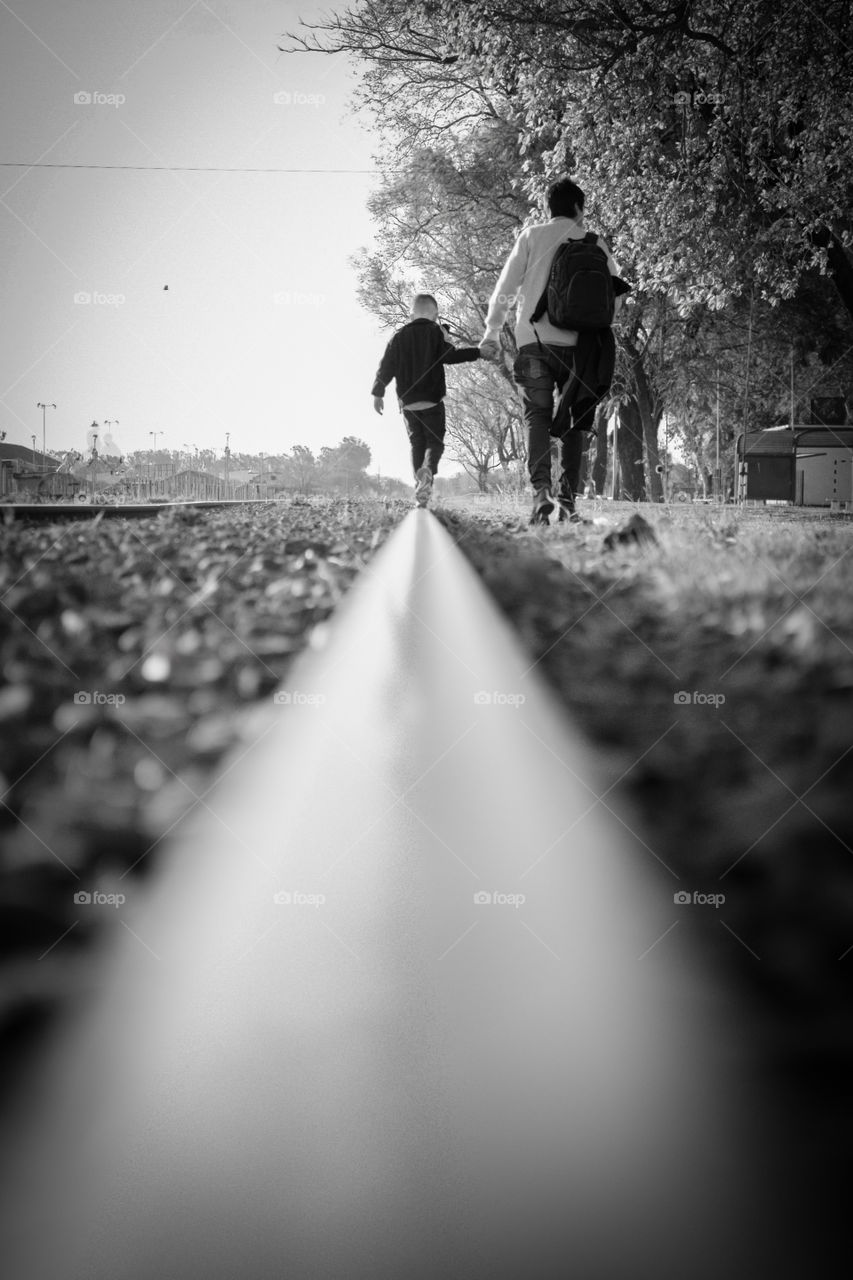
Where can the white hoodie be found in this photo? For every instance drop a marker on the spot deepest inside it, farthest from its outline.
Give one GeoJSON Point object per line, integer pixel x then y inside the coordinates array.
{"type": "Point", "coordinates": [524, 278]}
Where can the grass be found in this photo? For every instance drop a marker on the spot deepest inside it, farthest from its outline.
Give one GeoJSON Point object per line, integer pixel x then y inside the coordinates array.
{"type": "Point", "coordinates": [741, 785]}
{"type": "Point", "coordinates": [132, 654]}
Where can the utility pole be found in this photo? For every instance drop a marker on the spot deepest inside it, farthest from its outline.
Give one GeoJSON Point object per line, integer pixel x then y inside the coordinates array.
{"type": "Point", "coordinates": [227, 456]}
{"type": "Point", "coordinates": [94, 461]}
{"type": "Point", "coordinates": [44, 408]}
{"type": "Point", "coordinates": [155, 434]}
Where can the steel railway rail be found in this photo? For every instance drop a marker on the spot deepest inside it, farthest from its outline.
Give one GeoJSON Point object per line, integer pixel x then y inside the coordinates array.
{"type": "Point", "coordinates": [130, 510]}
{"type": "Point", "coordinates": [406, 998]}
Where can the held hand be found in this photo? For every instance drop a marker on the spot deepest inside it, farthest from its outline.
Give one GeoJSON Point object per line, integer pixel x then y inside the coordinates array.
{"type": "Point", "coordinates": [378, 404]}
{"type": "Point", "coordinates": [489, 350]}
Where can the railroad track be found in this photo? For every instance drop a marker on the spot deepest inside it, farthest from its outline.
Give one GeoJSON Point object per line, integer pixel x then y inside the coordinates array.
{"type": "Point", "coordinates": [401, 1001]}
{"type": "Point", "coordinates": [10, 511]}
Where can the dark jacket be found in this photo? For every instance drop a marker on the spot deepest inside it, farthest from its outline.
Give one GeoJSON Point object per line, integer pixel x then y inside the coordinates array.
{"type": "Point", "coordinates": [593, 366]}
{"type": "Point", "coordinates": [416, 356]}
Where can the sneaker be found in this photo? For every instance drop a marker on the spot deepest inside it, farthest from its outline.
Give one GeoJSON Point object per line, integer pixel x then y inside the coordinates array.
{"type": "Point", "coordinates": [423, 488]}
{"type": "Point", "coordinates": [543, 505]}
{"type": "Point", "coordinates": [567, 511]}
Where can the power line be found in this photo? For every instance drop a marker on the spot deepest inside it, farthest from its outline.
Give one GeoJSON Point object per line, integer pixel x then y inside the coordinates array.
{"type": "Point", "coordinates": [170, 168]}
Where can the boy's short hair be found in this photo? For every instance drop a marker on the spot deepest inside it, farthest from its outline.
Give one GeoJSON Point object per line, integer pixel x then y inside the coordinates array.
{"type": "Point", "coordinates": [423, 300]}
{"type": "Point", "coordinates": [565, 199]}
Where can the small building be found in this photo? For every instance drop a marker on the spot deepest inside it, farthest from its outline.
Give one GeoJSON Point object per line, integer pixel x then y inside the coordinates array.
{"type": "Point", "coordinates": [31, 476]}
{"type": "Point", "coordinates": [810, 466]}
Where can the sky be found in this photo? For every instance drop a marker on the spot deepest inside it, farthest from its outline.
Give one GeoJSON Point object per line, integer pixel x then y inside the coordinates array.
{"type": "Point", "coordinates": [259, 333]}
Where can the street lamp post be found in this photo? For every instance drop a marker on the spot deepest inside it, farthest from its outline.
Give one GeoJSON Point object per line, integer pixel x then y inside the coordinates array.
{"type": "Point", "coordinates": [44, 408]}
{"type": "Point", "coordinates": [33, 438]}
{"type": "Point", "coordinates": [93, 460]}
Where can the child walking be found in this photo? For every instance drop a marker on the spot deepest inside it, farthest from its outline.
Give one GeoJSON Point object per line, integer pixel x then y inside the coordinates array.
{"type": "Point", "coordinates": [416, 356]}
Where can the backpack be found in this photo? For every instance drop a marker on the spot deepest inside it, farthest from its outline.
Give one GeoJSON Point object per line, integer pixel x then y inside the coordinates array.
{"type": "Point", "coordinates": [579, 293]}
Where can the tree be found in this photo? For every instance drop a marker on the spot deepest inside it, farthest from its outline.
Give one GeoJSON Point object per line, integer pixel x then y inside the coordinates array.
{"type": "Point", "coordinates": [485, 427]}
{"type": "Point", "coordinates": [345, 466]}
{"type": "Point", "coordinates": [703, 126]}
{"type": "Point", "coordinates": [300, 468]}
{"type": "Point", "coordinates": [712, 136]}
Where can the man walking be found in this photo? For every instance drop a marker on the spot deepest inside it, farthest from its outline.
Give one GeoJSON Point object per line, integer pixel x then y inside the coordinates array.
{"type": "Point", "coordinates": [549, 358]}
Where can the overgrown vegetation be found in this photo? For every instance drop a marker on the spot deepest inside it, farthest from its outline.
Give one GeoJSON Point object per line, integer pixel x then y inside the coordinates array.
{"type": "Point", "coordinates": [742, 784]}
{"type": "Point", "coordinates": [713, 142]}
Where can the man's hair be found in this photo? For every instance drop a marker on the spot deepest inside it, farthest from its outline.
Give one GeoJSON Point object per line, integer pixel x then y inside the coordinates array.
{"type": "Point", "coordinates": [565, 199]}
{"type": "Point", "coordinates": [422, 301]}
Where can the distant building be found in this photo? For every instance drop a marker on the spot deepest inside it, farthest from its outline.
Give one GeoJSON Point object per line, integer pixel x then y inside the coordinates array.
{"type": "Point", "coordinates": [26, 473]}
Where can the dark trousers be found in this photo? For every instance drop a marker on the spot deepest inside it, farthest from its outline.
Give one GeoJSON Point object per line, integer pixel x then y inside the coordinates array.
{"type": "Point", "coordinates": [425, 429]}
{"type": "Point", "coordinates": [539, 371]}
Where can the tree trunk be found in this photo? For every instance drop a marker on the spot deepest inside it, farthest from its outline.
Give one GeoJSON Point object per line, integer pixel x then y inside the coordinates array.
{"type": "Point", "coordinates": [598, 469]}
{"type": "Point", "coordinates": [650, 419]}
{"type": "Point", "coordinates": [630, 481]}
{"type": "Point", "coordinates": [654, 480]}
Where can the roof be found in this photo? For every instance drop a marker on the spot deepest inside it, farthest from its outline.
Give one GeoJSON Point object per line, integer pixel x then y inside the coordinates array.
{"type": "Point", "coordinates": [31, 458]}
{"type": "Point", "coordinates": [779, 441]}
